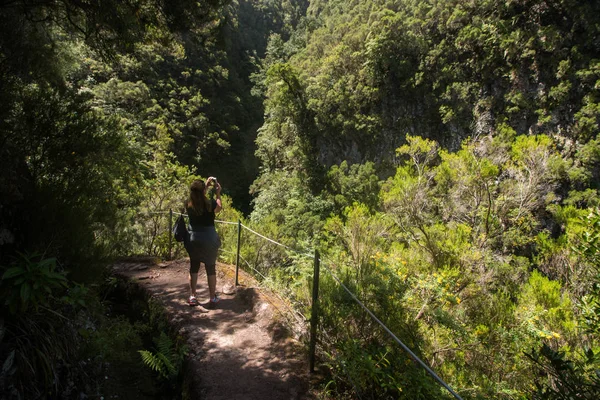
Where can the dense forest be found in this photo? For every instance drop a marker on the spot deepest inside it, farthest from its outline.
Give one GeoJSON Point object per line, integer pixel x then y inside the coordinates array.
{"type": "Point", "coordinates": [442, 155]}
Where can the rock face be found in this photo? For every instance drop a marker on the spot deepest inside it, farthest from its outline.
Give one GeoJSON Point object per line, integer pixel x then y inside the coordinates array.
{"type": "Point", "coordinates": [238, 350]}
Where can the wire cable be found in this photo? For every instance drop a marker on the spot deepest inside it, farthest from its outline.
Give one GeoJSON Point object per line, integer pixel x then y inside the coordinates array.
{"type": "Point", "coordinates": [268, 239]}
{"type": "Point", "coordinates": [226, 222]}
{"type": "Point", "coordinates": [247, 263]}
{"type": "Point", "coordinates": [404, 347]}
{"type": "Point", "coordinates": [279, 244]}
{"type": "Point", "coordinates": [284, 302]}
{"type": "Point", "coordinates": [389, 332]}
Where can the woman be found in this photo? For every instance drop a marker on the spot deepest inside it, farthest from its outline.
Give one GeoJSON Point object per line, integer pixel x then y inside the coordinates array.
{"type": "Point", "coordinates": [204, 241]}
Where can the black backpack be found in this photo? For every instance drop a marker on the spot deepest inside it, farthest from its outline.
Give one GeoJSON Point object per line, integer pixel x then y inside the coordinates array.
{"type": "Point", "coordinates": [180, 231]}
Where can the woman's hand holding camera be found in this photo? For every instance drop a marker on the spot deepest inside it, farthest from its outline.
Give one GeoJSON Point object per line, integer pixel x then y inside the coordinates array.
{"type": "Point", "coordinates": [212, 180]}
{"type": "Point", "coordinates": [217, 187]}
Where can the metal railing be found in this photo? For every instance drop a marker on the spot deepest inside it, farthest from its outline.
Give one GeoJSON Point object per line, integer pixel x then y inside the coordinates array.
{"type": "Point", "coordinates": [317, 262]}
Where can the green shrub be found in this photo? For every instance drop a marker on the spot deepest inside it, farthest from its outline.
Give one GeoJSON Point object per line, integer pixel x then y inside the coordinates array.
{"type": "Point", "coordinates": [168, 358]}
{"type": "Point", "coordinates": [30, 282]}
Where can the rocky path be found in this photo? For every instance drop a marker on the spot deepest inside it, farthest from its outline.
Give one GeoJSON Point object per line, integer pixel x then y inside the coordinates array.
{"type": "Point", "coordinates": [240, 350]}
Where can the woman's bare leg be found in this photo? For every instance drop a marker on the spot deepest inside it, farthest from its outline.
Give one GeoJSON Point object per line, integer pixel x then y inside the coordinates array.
{"type": "Point", "coordinates": [212, 285]}
{"type": "Point", "coordinates": [193, 283]}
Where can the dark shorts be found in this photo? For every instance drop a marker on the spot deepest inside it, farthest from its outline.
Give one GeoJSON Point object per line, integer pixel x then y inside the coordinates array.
{"type": "Point", "coordinates": [203, 247]}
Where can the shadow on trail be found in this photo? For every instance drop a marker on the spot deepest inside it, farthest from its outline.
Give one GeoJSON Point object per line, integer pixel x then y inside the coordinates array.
{"type": "Point", "coordinates": [239, 350]}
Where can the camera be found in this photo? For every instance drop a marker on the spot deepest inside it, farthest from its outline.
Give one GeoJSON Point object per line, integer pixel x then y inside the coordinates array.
{"type": "Point", "coordinates": [212, 179]}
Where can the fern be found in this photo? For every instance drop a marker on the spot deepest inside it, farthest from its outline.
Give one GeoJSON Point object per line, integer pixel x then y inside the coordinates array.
{"type": "Point", "coordinates": [153, 361]}
{"type": "Point", "coordinates": [167, 361]}
{"type": "Point", "coordinates": [165, 345]}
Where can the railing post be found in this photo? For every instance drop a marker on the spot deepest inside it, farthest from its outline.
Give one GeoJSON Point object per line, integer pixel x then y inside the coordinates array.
{"type": "Point", "coordinates": [237, 259]}
{"type": "Point", "coordinates": [170, 233]}
{"type": "Point", "coordinates": [314, 313]}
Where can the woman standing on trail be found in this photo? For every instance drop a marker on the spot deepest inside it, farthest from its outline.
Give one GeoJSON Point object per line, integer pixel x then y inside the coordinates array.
{"type": "Point", "coordinates": [204, 241]}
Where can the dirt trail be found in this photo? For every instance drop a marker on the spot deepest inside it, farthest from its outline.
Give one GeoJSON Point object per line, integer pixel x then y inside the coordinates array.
{"type": "Point", "coordinates": [238, 351]}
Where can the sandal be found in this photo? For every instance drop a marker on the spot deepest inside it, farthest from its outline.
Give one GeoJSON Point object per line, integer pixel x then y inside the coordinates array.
{"type": "Point", "coordinates": [193, 301]}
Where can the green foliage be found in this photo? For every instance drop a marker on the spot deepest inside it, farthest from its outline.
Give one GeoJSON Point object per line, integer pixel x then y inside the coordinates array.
{"type": "Point", "coordinates": [349, 184]}
{"type": "Point", "coordinates": [167, 361]}
{"type": "Point", "coordinates": [62, 346]}
{"type": "Point", "coordinates": [568, 379]}
{"type": "Point", "coordinates": [119, 321]}
{"type": "Point", "coordinates": [30, 282]}
{"type": "Point", "coordinates": [62, 145]}
{"type": "Point", "coordinates": [228, 232]}
{"type": "Point", "coordinates": [544, 308]}
{"type": "Point", "coordinates": [83, 144]}
{"type": "Point", "coordinates": [369, 72]}
{"type": "Point", "coordinates": [463, 263]}
{"type": "Point", "coordinates": [590, 240]}
{"type": "Point", "coordinates": [362, 235]}
{"type": "Point", "coordinates": [42, 343]}
{"type": "Point", "coordinates": [114, 340]}
{"type": "Point", "coordinates": [38, 328]}
{"type": "Point", "coordinates": [587, 246]}
{"type": "Point", "coordinates": [500, 99]}
{"type": "Point", "coordinates": [285, 198]}
{"type": "Point", "coordinates": [573, 373]}
{"type": "Point", "coordinates": [167, 189]}
{"type": "Point", "coordinates": [471, 251]}
{"type": "Point", "coordinates": [362, 357]}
